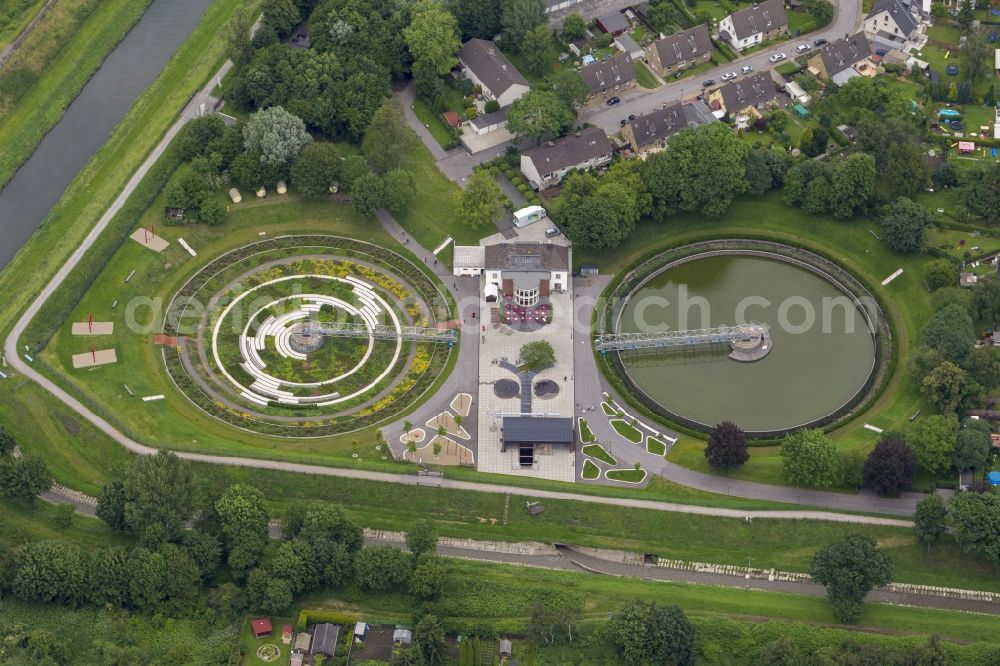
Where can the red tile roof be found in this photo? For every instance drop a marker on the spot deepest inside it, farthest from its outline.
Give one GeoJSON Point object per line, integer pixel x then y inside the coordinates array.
{"type": "Point", "coordinates": [261, 627]}
{"type": "Point", "coordinates": [451, 118]}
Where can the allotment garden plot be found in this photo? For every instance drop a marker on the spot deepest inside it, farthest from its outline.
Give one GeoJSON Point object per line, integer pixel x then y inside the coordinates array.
{"type": "Point", "coordinates": [307, 336]}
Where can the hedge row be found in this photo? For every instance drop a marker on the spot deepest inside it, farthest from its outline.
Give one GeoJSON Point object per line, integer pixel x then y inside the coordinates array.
{"type": "Point", "coordinates": [307, 617]}
{"type": "Point", "coordinates": [724, 49]}
{"type": "Point", "coordinates": [61, 303]}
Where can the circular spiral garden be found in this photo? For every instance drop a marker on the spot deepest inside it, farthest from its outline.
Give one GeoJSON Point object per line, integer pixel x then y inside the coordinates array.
{"type": "Point", "coordinates": [301, 336]}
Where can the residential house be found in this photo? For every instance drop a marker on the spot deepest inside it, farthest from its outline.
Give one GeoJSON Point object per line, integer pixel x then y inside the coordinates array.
{"type": "Point", "coordinates": [613, 23]}
{"type": "Point", "coordinates": [753, 25]}
{"type": "Point", "coordinates": [484, 65]}
{"type": "Point", "coordinates": [546, 165]}
{"type": "Point", "coordinates": [679, 51]}
{"type": "Point", "coordinates": [893, 22]}
{"type": "Point", "coordinates": [608, 76]}
{"type": "Point", "coordinates": [837, 60]}
{"type": "Point", "coordinates": [649, 133]}
{"type": "Point", "coordinates": [556, 5]}
{"type": "Point", "coordinates": [749, 97]}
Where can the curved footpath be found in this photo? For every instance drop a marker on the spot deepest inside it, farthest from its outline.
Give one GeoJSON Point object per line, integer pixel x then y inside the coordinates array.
{"type": "Point", "coordinates": [750, 490]}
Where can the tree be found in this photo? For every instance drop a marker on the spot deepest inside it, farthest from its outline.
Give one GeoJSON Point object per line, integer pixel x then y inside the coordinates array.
{"type": "Point", "coordinates": [849, 569]}
{"type": "Point", "coordinates": [204, 549]}
{"type": "Point", "coordinates": [242, 510]}
{"type": "Point", "coordinates": [538, 113]}
{"type": "Point", "coordinates": [367, 195]}
{"type": "Point", "coordinates": [966, 13]}
{"type": "Point", "coordinates": [758, 173]}
{"type": "Point", "coordinates": [111, 505]}
{"type": "Point", "coordinates": [201, 136]}
{"type": "Point", "coordinates": [429, 640]}
{"type": "Point", "coordinates": [107, 576]}
{"type": "Point", "coordinates": [388, 138]}
{"type": "Point", "coordinates": [891, 466]}
{"type": "Point", "coordinates": [279, 136]}
{"type": "Point", "coordinates": [932, 439]}
{"type": "Point", "coordinates": [209, 168]}
{"type": "Point", "coordinates": [50, 572]}
{"type": "Point", "coordinates": [238, 46]}
{"type": "Point", "coordinates": [975, 519]}
{"type": "Point", "coordinates": [187, 192]}
{"type": "Point", "coordinates": [574, 26]}
{"type": "Point", "coordinates": [183, 583]}
{"type": "Point", "coordinates": [24, 477]}
{"type": "Point", "coordinates": [476, 18]}
{"type": "Point", "coordinates": [982, 193]}
{"type": "Point", "coordinates": [213, 212]}
{"type": "Point", "coordinates": [482, 202]}
{"type": "Point", "coordinates": [352, 168]}
{"type": "Point", "coordinates": [267, 594]}
{"type": "Point", "coordinates": [727, 446]}
{"type": "Point", "coordinates": [295, 562]}
{"type": "Point", "coordinates": [905, 170]}
{"type": "Point", "coordinates": [982, 366]}
{"type": "Point", "coordinates": [570, 88]}
{"type": "Point", "coordinates": [809, 458]}
{"type": "Point", "coordinates": [853, 185]}
{"type": "Point", "coordinates": [986, 297]}
{"type": "Point", "coordinates": [905, 224]}
{"type": "Point", "coordinates": [432, 36]}
{"type": "Point", "coordinates": [951, 332]}
{"type": "Point", "coordinates": [940, 273]}
{"type": "Point", "coordinates": [517, 17]}
{"type": "Point", "coordinates": [701, 173]}
{"type": "Point", "coordinates": [536, 355]}
{"type": "Point", "coordinates": [600, 213]}
{"type": "Point", "coordinates": [422, 538]}
{"type": "Point", "coordinates": [382, 569]}
{"type": "Point", "coordinates": [813, 140]}
{"type": "Point", "coordinates": [821, 11]}
{"type": "Point", "coordinates": [282, 15]}
{"type": "Point", "coordinates": [535, 47]}
{"type": "Point", "coordinates": [653, 634]}
{"type": "Point", "coordinates": [159, 492]}
{"type": "Point", "coordinates": [972, 446]}
{"type": "Point", "coordinates": [316, 169]}
{"type": "Point", "coordinates": [398, 190]}
{"type": "Point", "coordinates": [147, 578]}
{"type": "Point", "coordinates": [974, 54]}
{"type": "Point", "coordinates": [248, 172]}
{"type": "Point", "coordinates": [929, 520]}
{"type": "Point", "coordinates": [946, 387]}
{"type": "Point", "coordinates": [427, 578]}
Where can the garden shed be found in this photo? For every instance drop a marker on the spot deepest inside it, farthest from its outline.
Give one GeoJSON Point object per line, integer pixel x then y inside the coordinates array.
{"type": "Point", "coordinates": [262, 627]}
{"type": "Point", "coordinates": [325, 637]}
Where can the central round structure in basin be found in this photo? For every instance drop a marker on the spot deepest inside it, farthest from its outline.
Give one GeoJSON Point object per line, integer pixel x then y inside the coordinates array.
{"type": "Point", "coordinates": [819, 358]}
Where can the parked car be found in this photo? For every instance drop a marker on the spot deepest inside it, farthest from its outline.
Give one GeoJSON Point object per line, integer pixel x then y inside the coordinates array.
{"type": "Point", "coordinates": [777, 57]}
{"type": "Point", "coordinates": [729, 75]}
{"type": "Point", "coordinates": [802, 48]}
{"type": "Point", "coordinates": [623, 122]}
{"type": "Point", "coordinates": [631, 116]}
{"type": "Point", "coordinates": [707, 82]}
{"type": "Point", "coordinates": [746, 69]}
{"type": "Point", "coordinates": [552, 232]}
{"type": "Point", "coordinates": [614, 100]}
{"type": "Point", "coordinates": [819, 42]}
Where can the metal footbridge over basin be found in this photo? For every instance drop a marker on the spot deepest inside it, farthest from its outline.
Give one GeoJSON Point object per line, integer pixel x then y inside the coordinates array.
{"type": "Point", "coordinates": [382, 332]}
{"type": "Point", "coordinates": [747, 339]}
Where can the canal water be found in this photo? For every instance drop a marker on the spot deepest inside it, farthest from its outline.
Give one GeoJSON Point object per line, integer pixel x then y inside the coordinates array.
{"type": "Point", "coordinates": [812, 369]}
{"type": "Point", "coordinates": [103, 102]}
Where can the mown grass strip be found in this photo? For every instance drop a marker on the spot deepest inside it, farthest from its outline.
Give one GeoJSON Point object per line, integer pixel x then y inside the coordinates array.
{"type": "Point", "coordinates": [597, 451]}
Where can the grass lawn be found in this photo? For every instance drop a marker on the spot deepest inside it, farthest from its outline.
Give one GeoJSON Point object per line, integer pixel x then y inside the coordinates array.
{"type": "Point", "coordinates": [655, 446]}
{"type": "Point", "coordinates": [590, 470]}
{"type": "Point", "coordinates": [626, 475]}
{"type": "Point", "coordinates": [63, 72]}
{"type": "Point", "coordinates": [434, 124]}
{"type": "Point", "coordinates": [15, 17]}
{"type": "Point", "coordinates": [551, 67]}
{"type": "Point", "coordinates": [598, 451]}
{"type": "Point", "coordinates": [249, 644]}
{"type": "Point", "coordinates": [797, 21]}
{"type": "Point", "coordinates": [942, 32]}
{"type": "Point", "coordinates": [608, 409]}
{"type": "Point", "coordinates": [627, 430]}
{"type": "Point", "coordinates": [586, 435]}
{"type": "Point", "coordinates": [644, 76]}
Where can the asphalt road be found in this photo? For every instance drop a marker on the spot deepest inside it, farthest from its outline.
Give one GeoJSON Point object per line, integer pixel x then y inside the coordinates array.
{"type": "Point", "coordinates": [847, 18]}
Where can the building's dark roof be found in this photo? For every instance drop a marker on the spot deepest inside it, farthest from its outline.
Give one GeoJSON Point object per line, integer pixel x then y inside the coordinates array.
{"type": "Point", "coordinates": [325, 639]}
{"type": "Point", "coordinates": [570, 151]}
{"type": "Point", "coordinates": [664, 123]}
{"type": "Point", "coordinates": [685, 45]}
{"type": "Point", "coordinates": [845, 53]}
{"type": "Point", "coordinates": [496, 117]}
{"type": "Point", "coordinates": [532, 257]}
{"type": "Point", "coordinates": [904, 12]}
{"type": "Point", "coordinates": [538, 429]}
{"type": "Point", "coordinates": [613, 21]}
{"type": "Point", "coordinates": [609, 72]}
{"type": "Point", "coordinates": [755, 91]}
{"type": "Point", "coordinates": [760, 18]}
{"type": "Point", "coordinates": [490, 65]}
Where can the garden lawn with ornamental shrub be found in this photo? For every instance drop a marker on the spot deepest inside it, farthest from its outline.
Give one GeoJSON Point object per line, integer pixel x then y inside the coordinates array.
{"type": "Point", "coordinates": [599, 452]}
{"type": "Point", "coordinates": [627, 430]}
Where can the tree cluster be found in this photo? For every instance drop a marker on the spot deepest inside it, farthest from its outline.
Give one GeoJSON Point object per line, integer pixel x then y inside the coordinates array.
{"type": "Point", "coordinates": [849, 569]}
{"type": "Point", "coordinates": [651, 634]}
{"type": "Point", "coordinates": [809, 458]}
{"type": "Point", "coordinates": [22, 476]}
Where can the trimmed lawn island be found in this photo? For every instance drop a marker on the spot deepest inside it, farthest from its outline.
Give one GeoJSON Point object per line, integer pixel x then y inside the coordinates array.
{"type": "Point", "coordinates": [586, 434]}
{"type": "Point", "coordinates": [626, 475]}
{"type": "Point", "coordinates": [655, 446]}
{"type": "Point", "coordinates": [627, 430]}
{"type": "Point", "coordinates": [598, 451]}
{"type": "Point", "coordinates": [591, 471]}
{"type": "Point", "coordinates": [608, 409]}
